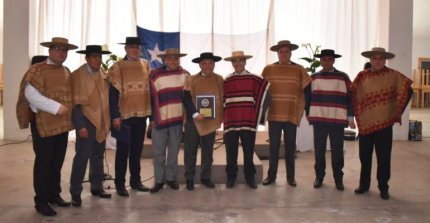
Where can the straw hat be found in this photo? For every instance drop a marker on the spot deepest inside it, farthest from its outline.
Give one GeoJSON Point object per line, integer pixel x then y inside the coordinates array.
{"type": "Point", "coordinates": [237, 55]}
{"type": "Point", "coordinates": [171, 52]}
{"type": "Point", "coordinates": [59, 41]}
{"type": "Point", "coordinates": [378, 51]}
{"type": "Point", "coordinates": [284, 43]}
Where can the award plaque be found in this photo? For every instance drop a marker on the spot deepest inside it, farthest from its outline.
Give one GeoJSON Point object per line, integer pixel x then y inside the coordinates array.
{"type": "Point", "coordinates": [205, 105]}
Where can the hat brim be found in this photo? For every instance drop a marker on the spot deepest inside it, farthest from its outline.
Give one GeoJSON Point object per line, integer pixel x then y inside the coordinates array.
{"type": "Point", "coordinates": [141, 44]}
{"type": "Point", "coordinates": [369, 54]}
{"type": "Point", "coordinates": [175, 55]}
{"type": "Point", "coordinates": [237, 57]}
{"type": "Point", "coordinates": [214, 58]}
{"type": "Point", "coordinates": [275, 48]}
{"type": "Point", "coordinates": [68, 45]}
{"type": "Point", "coordinates": [323, 55]}
{"type": "Point", "coordinates": [89, 52]}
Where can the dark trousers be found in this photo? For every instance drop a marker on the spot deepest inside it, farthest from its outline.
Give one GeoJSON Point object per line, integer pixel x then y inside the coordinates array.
{"type": "Point", "coordinates": [87, 149]}
{"type": "Point", "coordinates": [131, 152]}
{"type": "Point", "coordinates": [192, 140]}
{"type": "Point", "coordinates": [382, 140]}
{"type": "Point", "coordinates": [50, 152]}
{"type": "Point", "coordinates": [275, 132]}
{"type": "Point", "coordinates": [335, 133]}
{"type": "Point", "coordinates": [231, 140]}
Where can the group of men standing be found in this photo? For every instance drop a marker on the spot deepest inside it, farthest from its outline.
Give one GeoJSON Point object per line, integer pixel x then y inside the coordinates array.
{"type": "Point", "coordinates": [54, 101]}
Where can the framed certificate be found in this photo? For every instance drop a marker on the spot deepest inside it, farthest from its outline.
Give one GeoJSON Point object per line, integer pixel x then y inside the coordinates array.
{"type": "Point", "coordinates": [205, 105]}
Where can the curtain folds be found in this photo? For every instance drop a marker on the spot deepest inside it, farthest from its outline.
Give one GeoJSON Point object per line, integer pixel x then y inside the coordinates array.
{"type": "Point", "coordinates": [221, 26]}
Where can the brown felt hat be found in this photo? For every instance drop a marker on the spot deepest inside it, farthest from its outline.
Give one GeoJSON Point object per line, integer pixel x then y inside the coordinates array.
{"type": "Point", "coordinates": [378, 51]}
{"type": "Point", "coordinates": [284, 43]}
{"type": "Point", "coordinates": [59, 41]}
{"type": "Point", "coordinates": [171, 52]}
{"type": "Point", "coordinates": [237, 55]}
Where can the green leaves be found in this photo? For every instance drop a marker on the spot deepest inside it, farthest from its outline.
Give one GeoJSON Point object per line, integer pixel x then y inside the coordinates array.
{"type": "Point", "coordinates": [314, 63]}
{"type": "Point", "coordinates": [109, 62]}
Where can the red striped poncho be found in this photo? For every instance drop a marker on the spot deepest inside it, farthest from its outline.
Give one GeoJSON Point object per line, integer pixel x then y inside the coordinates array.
{"type": "Point", "coordinates": [244, 95]}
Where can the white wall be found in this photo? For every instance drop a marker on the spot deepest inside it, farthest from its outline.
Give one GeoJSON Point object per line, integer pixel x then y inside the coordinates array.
{"type": "Point", "coordinates": [1, 31]}
{"type": "Point", "coordinates": [16, 20]}
{"type": "Point", "coordinates": [421, 31]}
{"type": "Point", "coordinates": [400, 43]}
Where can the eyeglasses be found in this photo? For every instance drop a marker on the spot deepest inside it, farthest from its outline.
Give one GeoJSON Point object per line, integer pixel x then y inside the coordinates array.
{"type": "Point", "coordinates": [60, 48]}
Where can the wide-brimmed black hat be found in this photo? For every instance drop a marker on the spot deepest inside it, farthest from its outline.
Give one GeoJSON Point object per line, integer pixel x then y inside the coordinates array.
{"type": "Point", "coordinates": [132, 41]}
{"type": "Point", "coordinates": [93, 49]}
{"type": "Point", "coordinates": [206, 55]}
{"type": "Point", "coordinates": [327, 52]}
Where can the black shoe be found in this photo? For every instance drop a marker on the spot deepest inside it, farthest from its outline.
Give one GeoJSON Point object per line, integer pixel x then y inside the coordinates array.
{"type": "Point", "coordinates": [230, 183]}
{"type": "Point", "coordinates": [251, 183]}
{"type": "Point", "coordinates": [58, 200]}
{"type": "Point", "coordinates": [140, 187]}
{"type": "Point", "coordinates": [101, 194]}
{"type": "Point", "coordinates": [121, 191]}
{"type": "Point", "coordinates": [76, 200]}
{"type": "Point", "coordinates": [361, 190]}
{"type": "Point", "coordinates": [292, 182]}
{"type": "Point", "coordinates": [172, 184]}
{"type": "Point", "coordinates": [190, 185]}
{"type": "Point", "coordinates": [385, 195]}
{"type": "Point", "coordinates": [157, 187]}
{"type": "Point", "coordinates": [339, 186]}
{"type": "Point", "coordinates": [208, 183]}
{"type": "Point", "coordinates": [268, 181]}
{"type": "Point", "coordinates": [318, 183]}
{"type": "Point", "coordinates": [45, 210]}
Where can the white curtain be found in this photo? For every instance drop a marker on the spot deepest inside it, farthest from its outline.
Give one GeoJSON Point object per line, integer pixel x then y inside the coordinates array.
{"type": "Point", "coordinates": [221, 26]}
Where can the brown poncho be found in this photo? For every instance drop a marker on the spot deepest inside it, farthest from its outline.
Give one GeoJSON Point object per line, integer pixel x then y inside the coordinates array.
{"type": "Point", "coordinates": [286, 88]}
{"type": "Point", "coordinates": [52, 81]}
{"type": "Point", "coordinates": [207, 85]}
{"type": "Point", "coordinates": [92, 93]}
{"type": "Point", "coordinates": [130, 78]}
{"type": "Point", "coordinates": [379, 98]}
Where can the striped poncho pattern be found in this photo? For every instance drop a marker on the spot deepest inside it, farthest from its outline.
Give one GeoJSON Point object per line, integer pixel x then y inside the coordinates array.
{"type": "Point", "coordinates": [329, 102]}
{"type": "Point", "coordinates": [244, 95]}
{"type": "Point", "coordinates": [167, 92]}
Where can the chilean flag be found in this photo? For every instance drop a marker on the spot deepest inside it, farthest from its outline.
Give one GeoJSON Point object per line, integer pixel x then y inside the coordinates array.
{"type": "Point", "coordinates": [156, 43]}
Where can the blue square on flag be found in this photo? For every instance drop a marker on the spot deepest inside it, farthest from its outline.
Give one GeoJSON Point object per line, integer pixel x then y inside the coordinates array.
{"type": "Point", "coordinates": [156, 43]}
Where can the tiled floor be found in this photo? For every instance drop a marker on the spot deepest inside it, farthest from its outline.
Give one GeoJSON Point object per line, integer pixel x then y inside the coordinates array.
{"type": "Point", "coordinates": [410, 196]}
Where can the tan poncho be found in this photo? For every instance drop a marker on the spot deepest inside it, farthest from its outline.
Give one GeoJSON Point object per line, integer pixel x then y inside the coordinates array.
{"type": "Point", "coordinates": [53, 82]}
{"type": "Point", "coordinates": [207, 85]}
{"type": "Point", "coordinates": [379, 99]}
{"type": "Point", "coordinates": [286, 88]}
{"type": "Point", "coordinates": [130, 78]}
{"type": "Point", "coordinates": [91, 91]}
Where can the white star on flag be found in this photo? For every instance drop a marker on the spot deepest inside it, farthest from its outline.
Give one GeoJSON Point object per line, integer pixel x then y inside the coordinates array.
{"type": "Point", "coordinates": [156, 51]}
